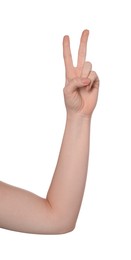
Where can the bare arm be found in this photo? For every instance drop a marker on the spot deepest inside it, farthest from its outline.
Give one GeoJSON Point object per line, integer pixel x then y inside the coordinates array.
{"type": "Point", "coordinates": [23, 211]}
{"type": "Point", "coordinates": [67, 188]}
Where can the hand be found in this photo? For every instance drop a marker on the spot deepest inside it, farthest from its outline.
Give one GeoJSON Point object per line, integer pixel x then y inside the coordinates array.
{"type": "Point", "coordinates": [80, 97]}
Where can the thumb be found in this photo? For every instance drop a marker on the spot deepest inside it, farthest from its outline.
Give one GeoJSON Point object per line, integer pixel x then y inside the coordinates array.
{"type": "Point", "coordinates": [77, 83]}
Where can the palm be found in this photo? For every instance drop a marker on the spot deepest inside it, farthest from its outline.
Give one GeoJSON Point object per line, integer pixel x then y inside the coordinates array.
{"type": "Point", "coordinates": [82, 100]}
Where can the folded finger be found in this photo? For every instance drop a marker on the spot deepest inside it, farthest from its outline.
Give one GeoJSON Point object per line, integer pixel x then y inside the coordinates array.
{"type": "Point", "coordinates": [86, 69]}
{"type": "Point", "coordinates": [94, 80]}
{"type": "Point", "coordinates": [75, 84]}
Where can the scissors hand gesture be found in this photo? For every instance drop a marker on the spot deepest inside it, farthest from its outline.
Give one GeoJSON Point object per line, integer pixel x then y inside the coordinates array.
{"type": "Point", "coordinates": [82, 84]}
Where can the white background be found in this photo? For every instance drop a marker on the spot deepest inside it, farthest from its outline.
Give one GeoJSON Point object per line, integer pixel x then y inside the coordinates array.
{"type": "Point", "coordinates": [32, 121]}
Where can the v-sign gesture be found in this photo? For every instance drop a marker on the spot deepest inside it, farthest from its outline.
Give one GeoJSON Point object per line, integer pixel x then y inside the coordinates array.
{"type": "Point", "coordinates": [24, 211]}
{"type": "Point", "coordinates": [82, 84]}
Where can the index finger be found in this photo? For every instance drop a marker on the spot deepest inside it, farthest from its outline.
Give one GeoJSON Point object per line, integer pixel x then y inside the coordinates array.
{"type": "Point", "coordinates": [82, 49]}
{"type": "Point", "coordinates": [68, 57]}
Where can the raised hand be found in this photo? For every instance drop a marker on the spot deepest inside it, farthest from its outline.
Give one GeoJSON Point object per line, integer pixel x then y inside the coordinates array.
{"type": "Point", "coordinates": [82, 84]}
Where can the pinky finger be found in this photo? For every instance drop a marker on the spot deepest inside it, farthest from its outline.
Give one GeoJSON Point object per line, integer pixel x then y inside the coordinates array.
{"type": "Point", "coordinates": [94, 80]}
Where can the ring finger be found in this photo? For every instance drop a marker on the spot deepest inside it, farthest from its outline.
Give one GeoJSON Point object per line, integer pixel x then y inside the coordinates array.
{"type": "Point", "coordinates": [86, 69]}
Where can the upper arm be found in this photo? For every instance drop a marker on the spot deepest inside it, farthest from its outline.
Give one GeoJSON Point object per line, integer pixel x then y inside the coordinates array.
{"type": "Point", "coordinates": [23, 211]}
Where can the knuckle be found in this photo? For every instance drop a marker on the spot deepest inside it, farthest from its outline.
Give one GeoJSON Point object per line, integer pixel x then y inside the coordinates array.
{"type": "Point", "coordinates": [94, 73]}
{"type": "Point", "coordinates": [66, 90]}
{"type": "Point", "coordinates": [95, 76]}
{"type": "Point", "coordinates": [74, 81]}
{"type": "Point", "coordinates": [89, 64]}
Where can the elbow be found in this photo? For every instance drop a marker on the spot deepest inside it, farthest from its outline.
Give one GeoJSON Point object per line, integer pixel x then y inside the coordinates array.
{"type": "Point", "coordinates": [67, 229]}
{"type": "Point", "coordinates": [61, 222]}
{"type": "Point", "coordinates": [64, 226]}
{"type": "Point", "coordinates": [65, 223]}
{"type": "Point", "coordinates": [61, 225]}
{"type": "Point", "coordinates": [63, 230]}
{"type": "Point", "coordinates": [70, 229]}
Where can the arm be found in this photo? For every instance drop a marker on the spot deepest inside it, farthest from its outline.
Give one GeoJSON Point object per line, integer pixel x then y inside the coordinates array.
{"type": "Point", "coordinates": [67, 187]}
{"type": "Point", "coordinates": [23, 211]}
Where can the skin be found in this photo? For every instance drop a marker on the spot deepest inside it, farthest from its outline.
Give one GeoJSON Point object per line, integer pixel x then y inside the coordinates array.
{"type": "Point", "coordinates": [23, 211]}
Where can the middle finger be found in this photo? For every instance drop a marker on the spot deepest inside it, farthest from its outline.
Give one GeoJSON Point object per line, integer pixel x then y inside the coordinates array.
{"type": "Point", "coordinates": [82, 49]}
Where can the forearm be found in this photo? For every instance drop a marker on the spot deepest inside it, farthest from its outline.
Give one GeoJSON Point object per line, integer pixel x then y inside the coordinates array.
{"type": "Point", "coordinates": [68, 183]}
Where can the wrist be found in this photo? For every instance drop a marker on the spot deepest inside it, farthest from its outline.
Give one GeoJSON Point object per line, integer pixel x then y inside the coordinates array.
{"type": "Point", "coordinates": [78, 118]}
{"type": "Point", "coordinates": [78, 128]}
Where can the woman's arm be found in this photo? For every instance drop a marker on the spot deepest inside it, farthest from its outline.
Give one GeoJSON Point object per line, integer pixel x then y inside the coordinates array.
{"type": "Point", "coordinates": [23, 211]}
{"type": "Point", "coordinates": [67, 188]}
